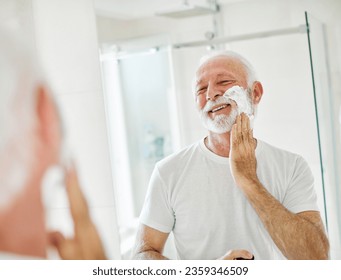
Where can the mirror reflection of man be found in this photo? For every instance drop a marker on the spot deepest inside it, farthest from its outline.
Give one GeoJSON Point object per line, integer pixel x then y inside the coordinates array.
{"type": "Point", "coordinates": [229, 195]}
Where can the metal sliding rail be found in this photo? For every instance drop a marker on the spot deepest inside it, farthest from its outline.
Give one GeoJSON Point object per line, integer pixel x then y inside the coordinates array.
{"type": "Point", "coordinates": [264, 34]}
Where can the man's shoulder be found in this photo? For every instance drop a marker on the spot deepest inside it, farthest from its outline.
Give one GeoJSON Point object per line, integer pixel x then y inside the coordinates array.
{"type": "Point", "coordinates": [284, 163]}
{"type": "Point", "coordinates": [178, 158]}
{"type": "Point", "coordinates": [269, 150]}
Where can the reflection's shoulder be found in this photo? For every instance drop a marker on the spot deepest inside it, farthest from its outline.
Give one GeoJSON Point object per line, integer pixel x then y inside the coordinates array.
{"type": "Point", "coordinates": [267, 150]}
{"type": "Point", "coordinates": [179, 157]}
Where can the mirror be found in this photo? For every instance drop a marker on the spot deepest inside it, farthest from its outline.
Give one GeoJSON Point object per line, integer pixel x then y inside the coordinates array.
{"type": "Point", "coordinates": [168, 49]}
{"type": "Point", "coordinates": [121, 73]}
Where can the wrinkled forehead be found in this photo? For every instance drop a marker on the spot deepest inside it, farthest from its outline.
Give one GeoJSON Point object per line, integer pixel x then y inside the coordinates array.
{"type": "Point", "coordinates": [219, 66]}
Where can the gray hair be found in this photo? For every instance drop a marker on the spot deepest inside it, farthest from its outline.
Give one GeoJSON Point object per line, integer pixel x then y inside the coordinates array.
{"type": "Point", "coordinates": [19, 79]}
{"type": "Point", "coordinates": [250, 71]}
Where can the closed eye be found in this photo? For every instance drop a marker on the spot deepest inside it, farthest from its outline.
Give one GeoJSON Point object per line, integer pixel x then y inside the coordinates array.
{"type": "Point", "coordinates": [226, 82]}
{"type": "Point", "coordinates": [201, 90]}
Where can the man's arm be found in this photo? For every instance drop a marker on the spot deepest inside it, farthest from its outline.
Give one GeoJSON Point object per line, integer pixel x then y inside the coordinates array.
{"type": "Point", "coordinates": [298, 236]}
{"type": "Point", "coordinates": [149, 244]}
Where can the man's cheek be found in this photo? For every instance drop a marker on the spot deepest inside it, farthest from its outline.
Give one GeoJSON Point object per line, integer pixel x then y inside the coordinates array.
{"type": "Point", "coordinates": [200, 102]}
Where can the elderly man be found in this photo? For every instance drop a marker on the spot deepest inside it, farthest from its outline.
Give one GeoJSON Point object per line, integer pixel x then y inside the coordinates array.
{"type": "Point", "coordinates": [30, 143]}
{"type": "Point", "coordinates": [231, 196]}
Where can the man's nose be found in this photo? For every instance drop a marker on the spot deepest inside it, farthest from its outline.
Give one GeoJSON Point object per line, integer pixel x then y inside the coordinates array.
{"type": "Point", "coordinates": [213, 93]}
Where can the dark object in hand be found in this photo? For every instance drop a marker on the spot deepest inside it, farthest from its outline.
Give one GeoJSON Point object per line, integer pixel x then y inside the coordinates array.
{"type": "Point", "coordinates": [253, 257]}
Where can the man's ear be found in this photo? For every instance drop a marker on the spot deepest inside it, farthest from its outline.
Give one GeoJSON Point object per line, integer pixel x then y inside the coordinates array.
{"type": "Point", "coordinates": [257, 92]}
{"type": "Point", "coordinates": [48, 119]}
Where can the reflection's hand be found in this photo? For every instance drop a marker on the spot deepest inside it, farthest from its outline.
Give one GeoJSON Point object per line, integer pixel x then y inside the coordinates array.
{"type": "Point", "coordinates": [86, 244]}
{"type": "Point", "coordinates": [237, 254]}
{"type": "Point", "coordinates": [242, 154]}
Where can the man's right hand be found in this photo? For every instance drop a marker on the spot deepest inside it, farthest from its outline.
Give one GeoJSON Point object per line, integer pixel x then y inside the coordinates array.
{"type": "Point", "coordinates": [86, 243]}
{"type": "Point", "coordinates": [237, 254]}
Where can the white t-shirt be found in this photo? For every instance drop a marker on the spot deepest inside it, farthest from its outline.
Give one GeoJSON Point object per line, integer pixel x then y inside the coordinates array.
{"type": "Point", "coordinates": [193, 194]}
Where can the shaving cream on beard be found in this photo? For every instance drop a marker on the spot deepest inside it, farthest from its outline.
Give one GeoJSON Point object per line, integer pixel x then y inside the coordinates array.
{"type": "Point", "coordinates": [242, 99]}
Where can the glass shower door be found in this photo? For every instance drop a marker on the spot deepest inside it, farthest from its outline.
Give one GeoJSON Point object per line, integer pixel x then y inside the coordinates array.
{"type": "Point", "coordinates": [326, 123]}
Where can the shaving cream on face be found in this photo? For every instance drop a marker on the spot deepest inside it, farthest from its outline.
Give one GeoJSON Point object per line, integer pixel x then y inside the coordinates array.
{"type": "Point", "coordinates": [242, 99]}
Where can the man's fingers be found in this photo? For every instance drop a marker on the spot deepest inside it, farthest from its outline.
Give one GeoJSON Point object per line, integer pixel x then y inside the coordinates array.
{"type": "Point", "coordinates": [234, 134]}
{"type": "Point", "coordinates": [55, 238]}
{"type": "Point", "coordinates": [245, 122]}
{"type": "Point", "coordinates": [78, 205]}
{"type": "Point", "coordinates": [243, 130]}
{"type": "Point", "coordinates": [86, 243]}
{"type": "Point", "coordinates": [238, 254]}
{"type": "Point", "coordinates": [246, 130]}
{"type": "Point", "coordinates": [68, 250]}
{"type": "Point", "coordinates": [63, 246]}
{"type": "Point", "coordinates": [239, 124]}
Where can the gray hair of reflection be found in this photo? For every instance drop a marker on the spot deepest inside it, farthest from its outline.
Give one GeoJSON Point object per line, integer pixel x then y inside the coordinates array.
{"type": "Point", "coordinates": [250, 71]}
{"type": "Point", "coordinates": [19, 79]}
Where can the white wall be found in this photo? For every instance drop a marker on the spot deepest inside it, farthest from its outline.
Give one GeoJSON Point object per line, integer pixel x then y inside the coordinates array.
{"type": "Point", "coordinates": [66, 42]}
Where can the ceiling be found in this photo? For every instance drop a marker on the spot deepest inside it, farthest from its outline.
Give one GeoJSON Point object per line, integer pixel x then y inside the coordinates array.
{"type": "Point", "coordinates": [135, 9]}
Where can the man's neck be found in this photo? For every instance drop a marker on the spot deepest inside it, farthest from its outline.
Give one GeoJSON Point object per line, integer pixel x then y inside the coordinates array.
{"type": "Point", "coordinates": [218, 143]}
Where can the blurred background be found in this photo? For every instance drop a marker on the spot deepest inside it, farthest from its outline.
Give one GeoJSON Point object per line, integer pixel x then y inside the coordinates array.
{"type": "Point", "coordinates": [121, 72]}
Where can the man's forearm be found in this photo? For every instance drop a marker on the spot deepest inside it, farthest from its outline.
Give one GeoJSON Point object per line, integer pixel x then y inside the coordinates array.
{"type": "Point", "coordinates": [296, 237]}
{"type": "Point", "coordinates": [149, 255]}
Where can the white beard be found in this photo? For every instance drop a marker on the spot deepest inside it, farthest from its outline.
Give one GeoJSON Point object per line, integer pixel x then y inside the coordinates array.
{"type": "Point", "coordinates": [220, 123]}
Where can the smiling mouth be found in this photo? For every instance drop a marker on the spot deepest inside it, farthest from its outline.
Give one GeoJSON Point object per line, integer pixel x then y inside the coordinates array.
{"type": "Point", "coordinates": [216, 109]}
